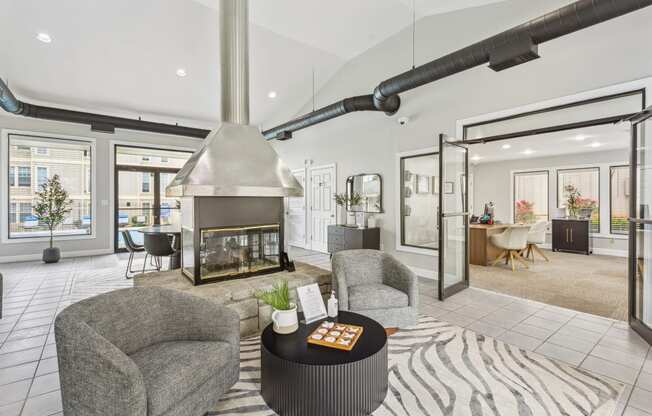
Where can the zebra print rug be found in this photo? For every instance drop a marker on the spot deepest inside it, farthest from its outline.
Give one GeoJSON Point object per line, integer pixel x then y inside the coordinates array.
{"type": "Point", "coordinates": [440, 369]}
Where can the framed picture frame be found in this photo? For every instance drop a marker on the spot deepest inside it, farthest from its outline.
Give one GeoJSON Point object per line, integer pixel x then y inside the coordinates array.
{"type": "Point", "coordinates": [449, 188]}
{"type": "Point", "coordinates": [423, 184]}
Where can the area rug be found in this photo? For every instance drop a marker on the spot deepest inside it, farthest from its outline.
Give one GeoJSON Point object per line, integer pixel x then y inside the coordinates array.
{"type": "Point", "coordinates": [439, 369]}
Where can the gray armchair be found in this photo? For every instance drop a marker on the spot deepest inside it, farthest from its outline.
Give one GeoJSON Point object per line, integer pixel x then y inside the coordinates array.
{"type": "Point", "coordinates": [376, 285]}
{"type": "Point", "coordinates": [146, 352]}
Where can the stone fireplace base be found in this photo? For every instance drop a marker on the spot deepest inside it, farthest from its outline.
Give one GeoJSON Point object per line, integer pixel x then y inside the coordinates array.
{"type": "Point", "coordinates": [239, 294]}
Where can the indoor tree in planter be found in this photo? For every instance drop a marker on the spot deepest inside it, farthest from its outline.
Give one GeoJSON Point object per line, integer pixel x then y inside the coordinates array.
{"type": "Point", "coordinates": [52, 206]}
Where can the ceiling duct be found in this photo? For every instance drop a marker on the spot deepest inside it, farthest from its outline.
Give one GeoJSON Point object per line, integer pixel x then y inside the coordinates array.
{"type": "Point", "coordinates": [235, 160]}
{"type": "Point", "coordinates": [98, 122]}
{"type": "Point", "coordinates": [568, 19]}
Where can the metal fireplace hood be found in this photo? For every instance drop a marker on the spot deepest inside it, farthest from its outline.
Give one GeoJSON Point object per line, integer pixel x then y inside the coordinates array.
{"type": "Point", "coordinates": [235, 159]}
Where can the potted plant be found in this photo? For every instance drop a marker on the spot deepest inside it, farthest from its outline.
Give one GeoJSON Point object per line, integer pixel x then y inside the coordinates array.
{"type": "Point", "coordinates": [342, 200]}
{"type": "Point", "coordinates": [284, 316]}
{"type": "Point", "coordinates": [573, 198]}
{"type": "Point", "coordinates": [52, 206]}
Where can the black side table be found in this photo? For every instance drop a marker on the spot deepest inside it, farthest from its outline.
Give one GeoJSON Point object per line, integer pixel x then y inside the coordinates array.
{"type": "Point", "coordinates": [301, 379]}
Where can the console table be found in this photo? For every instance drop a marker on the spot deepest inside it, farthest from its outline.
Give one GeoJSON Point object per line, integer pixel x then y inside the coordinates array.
{"type": "Point", "coordinates": [571, 235]}
{"type": "Point", "coordinates": [341, 237]}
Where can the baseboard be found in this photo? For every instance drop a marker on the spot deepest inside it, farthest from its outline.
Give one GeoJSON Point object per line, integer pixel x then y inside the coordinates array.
{"type": "Point", "coordinates": [598, 251]}
{"type": "Point", "coordinates": [425, 273]}
{"type": "Point", "coordinates": [64, 254]}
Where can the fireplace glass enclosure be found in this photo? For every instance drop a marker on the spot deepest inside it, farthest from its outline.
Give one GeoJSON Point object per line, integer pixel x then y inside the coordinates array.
{"type": "Point", "coordinates": [225, 238]}
{"type": "Point", "coordinates": [243, 250]}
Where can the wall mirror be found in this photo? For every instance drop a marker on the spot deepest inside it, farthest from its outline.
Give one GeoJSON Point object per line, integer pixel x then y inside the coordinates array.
{"type": "Point", "coordinates": [370, 188]}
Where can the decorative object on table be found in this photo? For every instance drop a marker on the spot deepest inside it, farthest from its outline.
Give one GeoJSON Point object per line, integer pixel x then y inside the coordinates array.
{"type": "Point", "coordinates": [336, 335]}
{"type": "Point", "coordinates": [578, 207]}
{"type": "Point", "coordinates": [376, 285]}
{"type": "Point", "coordinates": [423, 184]}
{"type": "Point", "coordinates": [133, 368]}
{"type": "Point", "coordinates": [312, 303]}
{"type": "Point", "coordinates": [284, 316]}
{"type": "Point", "coordinates": [449, 188]}
{"type": "Point", "coordinates": [332, 305]}
{"type": "Point", "coordinates": [342, 201]}
{"type": "Point", "coordinates": [52, 206]}
{"type": "Point", "coordinates": [369, 187]}
{"type": "Point", "coordinates": [488, 214]}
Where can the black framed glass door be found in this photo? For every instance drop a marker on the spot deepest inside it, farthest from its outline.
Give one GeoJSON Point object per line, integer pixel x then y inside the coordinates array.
{"type": "Point", "coordinates": [640, 226]}
{"type": "Point", "coordinates": [453, 217]}
{"type": "Point", "coordinates": [141, 176]}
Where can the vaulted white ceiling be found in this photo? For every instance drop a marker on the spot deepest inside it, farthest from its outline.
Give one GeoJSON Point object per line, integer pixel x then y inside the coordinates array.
{"type": "Point", "coordinates": [121, 56]}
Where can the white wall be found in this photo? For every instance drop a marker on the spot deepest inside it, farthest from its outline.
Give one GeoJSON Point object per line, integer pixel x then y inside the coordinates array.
{"type": "Point", "coordinates": [493, 182]}
{"type": "Point", "coordinates": [597, 57]}
{"type": "Point", "coordinates": [103, 193]}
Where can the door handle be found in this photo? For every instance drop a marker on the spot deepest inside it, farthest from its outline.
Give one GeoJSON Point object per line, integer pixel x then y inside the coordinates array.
{"type": "Point", "coordinates": [567, 235]}
{"type": "Point", "coordinates": [571, 235]}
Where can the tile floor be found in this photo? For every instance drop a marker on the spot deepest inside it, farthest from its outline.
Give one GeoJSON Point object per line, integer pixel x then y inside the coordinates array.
{"type": "Point", "coordinates": [34, 293]}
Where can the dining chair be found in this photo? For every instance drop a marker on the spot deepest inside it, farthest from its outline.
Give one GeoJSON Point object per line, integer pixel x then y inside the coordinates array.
{"type": "Point", "coordinates": [536, 236]}
{"type": "Point", "coordinates": [157, 246]}
{"type": "Point", "coordinates": [512, 242]}
{"type": "Point", "coordinates": [132, 248]}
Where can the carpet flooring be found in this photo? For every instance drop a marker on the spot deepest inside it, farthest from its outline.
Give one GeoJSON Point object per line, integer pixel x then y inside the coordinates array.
{"type": "Point", "coordinates": [592, 284]}
{"type": "Point", "coordinates": [440, 369]}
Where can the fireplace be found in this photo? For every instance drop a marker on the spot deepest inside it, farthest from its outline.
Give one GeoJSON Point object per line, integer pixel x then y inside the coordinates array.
{"type": "Point", "coordinates": [225, 238]}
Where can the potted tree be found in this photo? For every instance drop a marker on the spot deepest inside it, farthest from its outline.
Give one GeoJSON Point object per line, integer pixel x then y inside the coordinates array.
{"type": "Point", "coordinates": [52, 205]}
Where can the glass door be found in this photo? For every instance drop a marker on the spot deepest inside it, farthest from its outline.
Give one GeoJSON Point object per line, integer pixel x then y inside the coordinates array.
{"type": "Point", "coordinates": [453, 217]}
{"type": "Point", "coordinates": [640, 227]}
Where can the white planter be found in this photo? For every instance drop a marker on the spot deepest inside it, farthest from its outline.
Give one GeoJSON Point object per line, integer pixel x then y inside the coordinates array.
{"type": "Point", "coordinates": [285, 322]}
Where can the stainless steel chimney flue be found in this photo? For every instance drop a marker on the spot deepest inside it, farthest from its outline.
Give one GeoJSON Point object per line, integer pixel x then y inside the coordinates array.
{"type": "Point", "coordinates": [234, 55]}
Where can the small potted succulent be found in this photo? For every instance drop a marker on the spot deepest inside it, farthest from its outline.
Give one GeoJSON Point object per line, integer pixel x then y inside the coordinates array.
{"type": "Point", "coordinates": [52, 206]}
{"type": "Point", "coordinates": [284, 316]}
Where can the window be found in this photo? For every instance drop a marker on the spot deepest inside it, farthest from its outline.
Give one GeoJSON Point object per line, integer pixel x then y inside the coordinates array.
{"type": "Point", "coordinates": [145, 187]}
{"type": "Point", "coordinates": [41, 176]}
{"type": "Point", "coordinates": [419, 201]}
{"type": "Point", "coordinates": [12, 176]}
{"type": "Point", "coordinates": [71, 160]}
{"type": "Point", "coordinates": [584, 184]}
{"type": "Point", "coordinates": [530, 196]}
{"type": "Point", "coordinates": [24, 176]}
{"type": "Point", "coordinates": [619, 199]}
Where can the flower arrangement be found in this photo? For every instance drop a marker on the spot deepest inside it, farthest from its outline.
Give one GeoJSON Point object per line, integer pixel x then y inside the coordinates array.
{"type": "Point", "coordinates": [573, 196]}
{"type": "Point", "coordinates": [525, 212]}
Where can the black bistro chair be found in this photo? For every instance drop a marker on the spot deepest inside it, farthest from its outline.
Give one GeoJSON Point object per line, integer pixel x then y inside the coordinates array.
{"type": "Point", "coordinates": [132, 248]}
{"type": "Point", "coordinates": [157, 246]}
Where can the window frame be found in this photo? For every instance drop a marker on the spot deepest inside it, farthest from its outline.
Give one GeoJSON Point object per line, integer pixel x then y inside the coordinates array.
{"type": "Point", "coordinates": [589, 167]}
{"type": "Point", "coordinates": [25, 169]}
{"type": "Point", "coordinates": [5, 135]}
{"type": "Point", "coordinates": [530, 172]}
{"type": "Point", "coordinates": [611, 216]}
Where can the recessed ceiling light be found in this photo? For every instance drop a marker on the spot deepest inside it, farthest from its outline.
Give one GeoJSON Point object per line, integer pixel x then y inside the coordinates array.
{"type": "Point", "coordinates": [595, 144]}
{"type": "Point", "coordinates": [580, 137]}
{"type": "Point", "coordinates": [527, 151]}
{"type": "Point", "coordinates": [271, 94]}
{"type": "Point", "coordinates": [506, 146]}
{"type": "Point", "coordinates": [476, 158]}
{"type": "Point", "coordinates": [181, 72]}
{"type": "Point", "coordinates": [44, 37]}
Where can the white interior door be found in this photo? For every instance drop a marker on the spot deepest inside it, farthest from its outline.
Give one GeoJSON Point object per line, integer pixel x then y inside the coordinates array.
{"type": "Point", "coordinates": [296, 214]}
{"type": "Point", "coordinates": [322, 206]}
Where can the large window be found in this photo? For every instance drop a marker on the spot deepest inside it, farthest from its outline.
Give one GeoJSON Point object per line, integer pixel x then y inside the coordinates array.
{"type": "Point", "coordinates": [584, 183]}
{"type": "Point", "coordinates": [530, 197]}
{"type": "Point", "coordinates": [419, 201]}
{"type": "Point", "coordinates": [71, 160]}
{"type": "Point", "coordinates": [619, 199]}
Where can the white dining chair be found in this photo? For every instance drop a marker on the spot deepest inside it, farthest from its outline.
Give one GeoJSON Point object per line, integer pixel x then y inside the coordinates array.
{"type": "Point", "coordinates": [536, 236]}
{"type": "Point", "coordinates": [512, 242]}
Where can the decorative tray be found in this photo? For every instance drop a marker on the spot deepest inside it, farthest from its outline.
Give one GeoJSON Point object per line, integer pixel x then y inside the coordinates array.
{"type": "Point", "coordinates": [336, 335]}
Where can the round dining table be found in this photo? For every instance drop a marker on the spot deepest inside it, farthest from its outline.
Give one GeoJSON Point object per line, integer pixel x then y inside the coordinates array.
{"type": "Point", "coordinates": [174, 230]}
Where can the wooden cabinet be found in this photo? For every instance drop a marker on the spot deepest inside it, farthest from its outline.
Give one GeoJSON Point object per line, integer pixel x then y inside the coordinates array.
{"type": "Point", "coordinates": [347, 238]}
{"type": "Point", "coordinates": [571, 235]}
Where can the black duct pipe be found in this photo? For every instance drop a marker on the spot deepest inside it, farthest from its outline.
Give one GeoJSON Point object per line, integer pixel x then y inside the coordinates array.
{"type": "Point", "coordinates": [501, 48]}
{"type": "Point", "coordinates": [98, 122]}
{"type": "Point", "coordinates": [348, 105]}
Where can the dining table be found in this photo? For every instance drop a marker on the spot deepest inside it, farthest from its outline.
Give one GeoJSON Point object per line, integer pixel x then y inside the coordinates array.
{"type": "Point", "coordinates": [173, 230]}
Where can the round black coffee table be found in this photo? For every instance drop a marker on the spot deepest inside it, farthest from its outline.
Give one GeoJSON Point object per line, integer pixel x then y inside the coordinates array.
{"type": "Point", "coordinates": [302, 379]}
